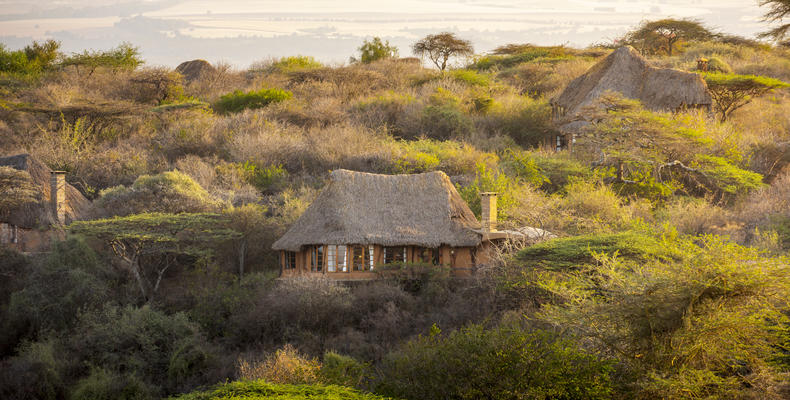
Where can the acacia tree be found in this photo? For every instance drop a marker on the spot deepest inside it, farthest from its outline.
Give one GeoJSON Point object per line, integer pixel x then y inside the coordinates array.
{"type": "Point", "coordinates": [663, 35]}
{"type": "Point", "coordinates": [375, 49]}
{"type": "Point", "coordinates": [149, 244]}
{"type": "Point", "coordinates": [655, 154]}
{"type": "Point", "coordinates": [440, 47]}
{"type": "Point", "coordinates": [777, 11]}
{"type": "Point", "coordinates": [731, 92]}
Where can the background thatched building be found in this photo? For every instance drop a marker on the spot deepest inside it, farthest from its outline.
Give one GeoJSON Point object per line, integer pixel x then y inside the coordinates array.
{"type": "Point", "coordinates": [361, 222]}
{"type": "Point", "coordinates": [627, 72]}
{"type": "Point", "coordinates": [30, 227]}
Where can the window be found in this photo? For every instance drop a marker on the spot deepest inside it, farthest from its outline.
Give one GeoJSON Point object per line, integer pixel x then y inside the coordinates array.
{"type": "Point", "coordinates": [428, 255]}
{"type": "Point", "coordinates": [331, 258]}
{"type": "Point", "coordinates": [317, 259]}
{"type": "Point", "coordinates": [289, 261]}
{"type": "Point", "coordinates": [342, 258]}
{"type": "Point", "coordinates": [336, 259]}
{"type": "Point", "coordinates": [394, 254]}
{"type": "Point", "coordinates": [362, 258]}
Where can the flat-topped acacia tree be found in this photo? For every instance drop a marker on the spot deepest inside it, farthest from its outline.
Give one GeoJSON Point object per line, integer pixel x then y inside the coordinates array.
{"type": "Point", "coordinates": [440, 47]}
{"type": "Point", "coordinates": [777, 11]}
{"type": "Point", "coordinates": [148, 244]}
{"type": "Point", "coordinates": [731, 92]}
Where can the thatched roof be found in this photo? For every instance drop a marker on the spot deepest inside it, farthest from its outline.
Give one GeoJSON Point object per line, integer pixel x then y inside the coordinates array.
{"type": "Point", "coordinates": [193, 69]}
{"type": "Point", "coordinates": [40, 214]}
{"type": "Point", "coordinates": [391, 210]}
{"type": "Point", "coordinates": [627, 72]}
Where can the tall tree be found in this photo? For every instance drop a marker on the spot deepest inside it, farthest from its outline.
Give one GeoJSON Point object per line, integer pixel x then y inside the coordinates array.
{"type": "Point", "coordinates": [149, 244]}
{"type": "Point", "coordinates": [376, 49]}
{"type": "Point", "coordinates": [777, 11]}
{"type": "Point", "coordinates": [731, 92]}
{"type": "Point", "coordinates": [440, 47]}
{"type": "Point", "coordinates": [663, 36]}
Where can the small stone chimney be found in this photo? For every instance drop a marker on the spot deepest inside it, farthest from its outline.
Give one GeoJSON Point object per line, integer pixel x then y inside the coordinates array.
{"type": "Point", "coordinates": [57, 195]}
{"type": "Point", "coordinates": [488, 211]}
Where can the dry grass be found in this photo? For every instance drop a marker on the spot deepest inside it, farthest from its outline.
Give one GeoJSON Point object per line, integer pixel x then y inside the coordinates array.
{"type": "Point", "coordinates": [285, 366]}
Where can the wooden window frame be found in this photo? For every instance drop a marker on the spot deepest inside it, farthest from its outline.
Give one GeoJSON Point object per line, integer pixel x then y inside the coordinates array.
{"type": "Point", "coordinates": [317, 259]}
{"type": "Point", "coordinates": [289, 260]}
{"type": "Point", "coordinates": [390, 254]}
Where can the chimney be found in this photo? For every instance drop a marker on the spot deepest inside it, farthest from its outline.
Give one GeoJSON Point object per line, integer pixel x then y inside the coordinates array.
{"type": "Point", "coordinates": [488, 211]}
{"type": "Point", "coordinates": [57, 195]}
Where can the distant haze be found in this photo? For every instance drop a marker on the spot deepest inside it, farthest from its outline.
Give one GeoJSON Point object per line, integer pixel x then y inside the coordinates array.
{"type": "Point", "coordinates": [243, 31]}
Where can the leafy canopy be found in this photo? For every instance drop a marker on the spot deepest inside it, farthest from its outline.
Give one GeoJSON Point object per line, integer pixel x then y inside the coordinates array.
{"type": "Point", "coordinates": [239, 101]}
{"type": "Point", "coordinates": [777, 11]}
{"type": "Point", "coordinates": [663, 36]}
{"type": "Point", "coordinates": [439, 48]}
{"type": "Point", "coordinates": [731, 91]}
{"type": "Point", "coordinates": [375, 49]}
{"type": "Point", "coordinates": [254, 390]}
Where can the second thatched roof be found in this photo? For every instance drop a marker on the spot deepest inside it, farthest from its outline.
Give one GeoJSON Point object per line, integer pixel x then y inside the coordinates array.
{"type": "Point", "coordinates": [390, 210]}
{"type": "Point", "coordinates": [40, 214]}
{"type": "Point", "coordinates": [627, 72]}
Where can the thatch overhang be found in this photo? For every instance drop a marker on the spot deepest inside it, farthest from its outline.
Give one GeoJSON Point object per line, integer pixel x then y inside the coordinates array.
{"type": "Point", "coordinates": [627, 72]}
{"type": "Point", "coordinates": [40, 214]}
{"type": "Point", "coordinates": [388, 210]}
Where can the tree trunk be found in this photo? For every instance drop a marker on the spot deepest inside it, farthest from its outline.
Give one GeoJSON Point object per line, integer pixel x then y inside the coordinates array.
{"type": "Point", "coordinates": [242, 256]}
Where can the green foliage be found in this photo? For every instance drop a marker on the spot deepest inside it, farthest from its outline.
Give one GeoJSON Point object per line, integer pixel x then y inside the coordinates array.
{"type": "Point", "coordinates": [171, 191]}
{"type": "Point", "coordinates": [660, 153]}
{"type": "Point", "coordinates": [663, 36]}
{"type": "Point", "coordinates": [506, 362]}
{"type": "Point", "coordinates": [559, 169]}
{"type": "Point", "coordinates": [32, 60]}
{"type": "Point", "coordinates": [511, 55]}
{"type": "Point", "coordinates": [375, 50]}
{"type": "Point", "coordinates": [269, 179]}
{"type": "Point", "coordinates": [164, 351]}
{"type": "Point", "coordinates": [527, 121]}
{"type": "Point", "coordinates": [295, 63]}
{"type": "Point", "coordinates": [158, 239]}
{"type": "Point", "coordinates": [123, 57]}
{"type": "Point", "coordinates": [341, 370]}
{"type": "Point", "coordinates": [523, 165]}
{"type": "Point", "coordinates": [70, 280]}
{"type": "Point", "coordinates": [577, 251]}
{"type": "Point", "coordinates": [490, 180]}
{"type": "Point", "coordinates": [728, 177]}
{"type": "Point", "coordinates": [445, 117]}
{"type": "Point", "coordinates": [731, 92]}
{"type": "Point", "coordinates": [103, 384]}
{"type": "Point", "coordinates": [238, 101]}
{"type": "Point", "coordinates": [471, 78]}
{"type": "Point", "coordinates": [439, 48]}
{"type": "Point", "coordinates": [716, 64]}
{"type": "Point", "coordinates": [703, 325]}
{"type": "Point", "coordinates": [449, 156]}
{"type": "Point", "coordinates": [254, 390]}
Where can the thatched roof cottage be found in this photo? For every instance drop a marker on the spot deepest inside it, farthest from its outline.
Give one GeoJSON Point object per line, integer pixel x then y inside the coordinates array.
{"type": "Point", "coordinates": [627, 72]}
{"type": "Point", "coordinates": [31, 227]}
{"type": "Point", "coordinates": [361, 222]}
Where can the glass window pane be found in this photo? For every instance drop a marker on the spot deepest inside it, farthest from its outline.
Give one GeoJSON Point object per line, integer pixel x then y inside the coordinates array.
{"type": "Point", "coordinates": [331, 258]}
{"type": "Point", "coordinates": [342, 258]}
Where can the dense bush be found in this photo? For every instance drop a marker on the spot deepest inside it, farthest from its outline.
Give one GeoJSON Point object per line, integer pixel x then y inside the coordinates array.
{"type": "Point", "coordinates": [240, 101]}
{"type": "Point", "coordinates": [259, 390]}
{"type": "Point", "coordinates": [172, 191]}
{"type": "Point", "coordinates": [506, 362]}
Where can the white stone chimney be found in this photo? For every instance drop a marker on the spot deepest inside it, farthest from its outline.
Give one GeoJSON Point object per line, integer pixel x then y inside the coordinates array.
{"type": "Point", "coordinates": [488, 211]}
{"type": "Point", "coordinates": [57, 195]}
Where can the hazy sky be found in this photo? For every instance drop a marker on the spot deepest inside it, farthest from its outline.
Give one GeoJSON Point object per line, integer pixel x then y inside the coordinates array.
{"type": "Point", "coordinates": [242, 31]}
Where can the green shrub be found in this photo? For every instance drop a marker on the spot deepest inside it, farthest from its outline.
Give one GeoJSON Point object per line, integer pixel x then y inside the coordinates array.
{"type": "Point", "coordinates": [490, 180]}
{"type": "Point", "coordinates": [471, 78]}
{"type": "Point", "coordinates": [521, 54]}
{"type": "Point", "coordinates": [344, 371]}
{"type": "Point", "coordinates": [295, 63]}
{"type": "Point", "coordinates": [270, 179]}
{"type": "Point", "coordinates": [527, 121]}
{"type": "Point", "coordinates": [240, 101]}
{"type": "Point", "coordinates": [445, 117]}
{"type": "Point", "coordinates": [171, 192]}
{"type": "Point", "coordinates": [260, 390]}
{"type": "Point", "coordinates": [450, 156]}
{"type": "Point", "coordinates": [103, 384]}
{"type": "Point", "coordinates": [576, 251]}
{"type": "Point", "coordinates": [559, 169]}
{"type": "Point", "coordinates": [506, 362]}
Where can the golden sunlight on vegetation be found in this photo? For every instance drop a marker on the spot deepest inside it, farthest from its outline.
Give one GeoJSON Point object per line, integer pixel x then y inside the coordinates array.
{"type": "Point", "coordinates": [665, 273]}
